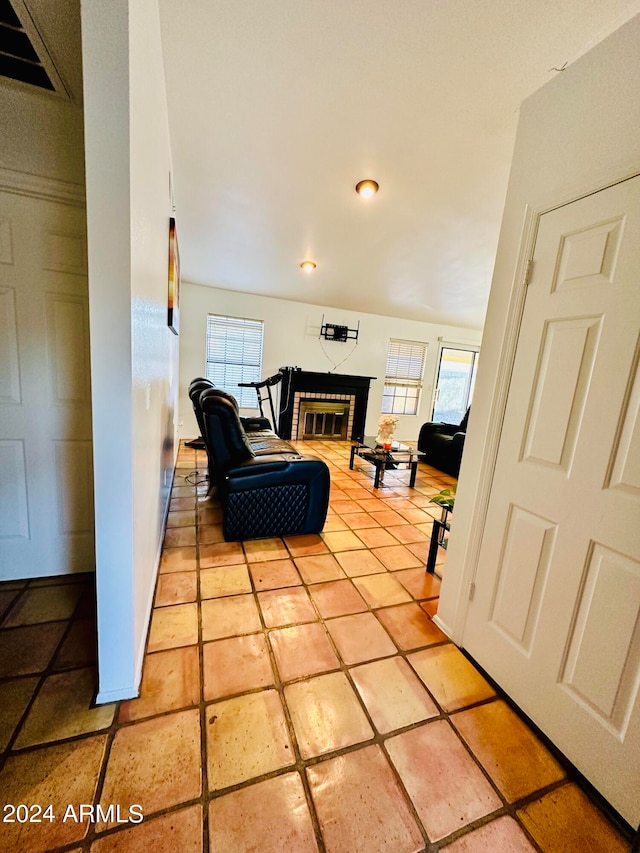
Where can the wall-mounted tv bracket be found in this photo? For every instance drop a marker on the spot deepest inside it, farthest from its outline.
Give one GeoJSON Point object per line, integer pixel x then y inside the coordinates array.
{"type": "Point", "coordinates": [332, 332]}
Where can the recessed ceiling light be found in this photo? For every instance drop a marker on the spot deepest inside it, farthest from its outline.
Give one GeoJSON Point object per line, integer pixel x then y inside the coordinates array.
{"type": "Point", "coordinates": [367, 188]}
{"type": "Point", "coordinates": [307, 266]}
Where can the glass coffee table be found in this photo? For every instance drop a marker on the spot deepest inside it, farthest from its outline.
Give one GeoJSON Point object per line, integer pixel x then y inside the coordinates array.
{"type": "Point", "coordinates": [399, 456]}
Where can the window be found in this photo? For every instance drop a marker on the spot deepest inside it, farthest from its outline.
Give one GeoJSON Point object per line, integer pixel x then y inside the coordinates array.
{"type": "Point", "coordinates": [234, 354]}
{"type": "Point", "coordinates": [403, 377]}
{"type": "Point", "coordinates": [454, 386]}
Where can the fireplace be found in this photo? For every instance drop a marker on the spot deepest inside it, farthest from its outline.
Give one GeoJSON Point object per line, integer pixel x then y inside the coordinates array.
{"type": "Point", "coordinates": [334, 392]}
{"type": "Point", "coordinates": [326, 419]}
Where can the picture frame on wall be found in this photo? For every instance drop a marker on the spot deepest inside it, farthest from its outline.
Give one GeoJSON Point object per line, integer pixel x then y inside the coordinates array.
{"type": "Point", "coordinates": [173, 317]}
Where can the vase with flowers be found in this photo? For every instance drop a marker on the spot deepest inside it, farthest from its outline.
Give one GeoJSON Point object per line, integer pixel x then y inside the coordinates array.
{"type": "Point", "coordinates": [386, 426]}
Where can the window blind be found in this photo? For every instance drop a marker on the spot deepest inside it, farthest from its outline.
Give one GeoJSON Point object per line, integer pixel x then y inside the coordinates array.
{"type": "Point", "coordinates": [234, 354]}
{"type": "Point", "coordinates": [403, 377]}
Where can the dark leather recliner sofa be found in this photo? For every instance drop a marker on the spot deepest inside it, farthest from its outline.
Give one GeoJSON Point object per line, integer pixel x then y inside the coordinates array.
{"type": "Point", "coordinates": [266, 487]}
{"type": "Point", "coordinates": [443, 444]}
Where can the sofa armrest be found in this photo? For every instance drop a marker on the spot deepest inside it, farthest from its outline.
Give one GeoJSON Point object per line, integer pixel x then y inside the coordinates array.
{"type": "Point", "coordinates": [255, 424]}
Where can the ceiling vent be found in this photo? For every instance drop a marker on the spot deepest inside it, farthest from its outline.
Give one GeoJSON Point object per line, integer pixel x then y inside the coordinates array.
{"type": "Point", "coordinates": [23, 55]}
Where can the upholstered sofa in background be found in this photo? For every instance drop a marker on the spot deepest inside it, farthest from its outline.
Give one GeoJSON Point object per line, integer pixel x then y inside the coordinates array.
{"type": "Point", "coordinates": [443, 444]}
{"type": "Point", "coordinates": [266, 487]}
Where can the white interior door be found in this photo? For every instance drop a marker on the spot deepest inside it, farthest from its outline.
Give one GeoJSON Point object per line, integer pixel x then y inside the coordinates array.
{"type": "Point", "coordinates": [555, 617]}
{"type": "Point", "coordinates": [46, 474]}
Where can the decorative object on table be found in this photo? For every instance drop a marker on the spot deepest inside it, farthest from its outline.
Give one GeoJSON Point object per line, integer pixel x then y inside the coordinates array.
{"type": "Point", "coordinates": [174, 279]}
{"type": "Point", "coordinates": [386, 426]}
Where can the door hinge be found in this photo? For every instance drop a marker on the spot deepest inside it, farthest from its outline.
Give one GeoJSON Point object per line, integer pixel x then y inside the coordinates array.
{"type": "Point", "coordinates": [528, 272]}
{"type": "Point", "coordinates": [472, 590]}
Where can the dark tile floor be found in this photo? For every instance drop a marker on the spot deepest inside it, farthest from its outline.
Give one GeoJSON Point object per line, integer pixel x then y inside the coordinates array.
{"type": "Point", "coordinates": [296, 696]}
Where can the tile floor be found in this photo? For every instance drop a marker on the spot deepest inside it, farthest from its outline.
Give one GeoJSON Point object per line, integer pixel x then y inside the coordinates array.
{"type": "Point", "coordinates": [296, 696]}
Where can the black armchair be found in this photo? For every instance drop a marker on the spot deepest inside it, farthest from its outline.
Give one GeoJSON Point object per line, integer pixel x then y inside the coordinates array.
{"type": "Point", "coordinates": [266, 488]}
{"type": "Point", "coordinates": [443, 444]}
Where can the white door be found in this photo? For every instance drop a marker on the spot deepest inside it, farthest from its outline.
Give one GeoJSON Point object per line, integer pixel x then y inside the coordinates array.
{"type": "Point", "coordinates": [555, 616]}
{"type": "Point", "coordinates": [46, 475]}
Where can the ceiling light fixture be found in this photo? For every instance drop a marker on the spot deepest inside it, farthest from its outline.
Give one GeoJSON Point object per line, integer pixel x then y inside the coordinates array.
{"type": "Point", "coordinates": [307, 266]}
{"type": "Point", "coordinates": [367, 188]}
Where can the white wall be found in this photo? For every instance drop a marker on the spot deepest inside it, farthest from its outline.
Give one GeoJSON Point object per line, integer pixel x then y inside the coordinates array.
{"type": "Point", "coordinates": [577, 134]}
{"type": "Point", "coordinates": [134, 355]}
{"type": "Point", "coordinates": [291, 337]}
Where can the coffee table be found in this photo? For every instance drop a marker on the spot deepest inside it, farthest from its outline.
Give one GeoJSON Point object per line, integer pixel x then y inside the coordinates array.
{"type": "Point", "coordinates": [399, 456]}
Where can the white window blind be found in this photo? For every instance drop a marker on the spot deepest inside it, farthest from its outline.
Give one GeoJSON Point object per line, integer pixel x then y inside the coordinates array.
{"type": "Point", "coordinates": [403, 377]}
{"type": "Point", "coordinates": [234, 354]}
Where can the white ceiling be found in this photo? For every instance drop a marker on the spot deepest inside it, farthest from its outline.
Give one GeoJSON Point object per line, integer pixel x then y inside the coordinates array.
{"type": "Point", "coordinates": [278, 107]}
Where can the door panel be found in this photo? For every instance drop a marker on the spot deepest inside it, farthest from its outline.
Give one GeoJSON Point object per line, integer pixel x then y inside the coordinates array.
{"type": "Point", "coordinates": [556, 614]}
{"type": "Point", "coordinates": [46, 476]}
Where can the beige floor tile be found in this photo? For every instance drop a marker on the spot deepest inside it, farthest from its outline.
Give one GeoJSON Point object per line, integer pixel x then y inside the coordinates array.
{"type": "Point", "coordinates": [326, 714]}
{"type": "Point", "coordinates": [182, 518]}
{"type": "Point", "coordinates": [344, 507]}
{"type": "Point", "coordinates": [306, 545]}
{"type": "Point", "coordinates": [315, 569]}
{"type": "Point", "coordinates": [450, 677]}
{"type": "Point", "coordinates": [420, 551]}
{"type": "Point", "coordinates": [246, 738]}
{"type": "Point", "coordinates": [381, 589]}
{"type": "Point", "coordinates": [229, 617]}
{"type": "Point", "coordinates": [176, 588]}
{"type": "Point", "coordinates": [360, 521]}
{"type": "Point", "coordinates": [235, 665]}
{"type": "Point", "coordinates": [177, 831]}
{"type": "Point", "coordinates": [356, 492]}
{"type": "Point", "coordinates": [154, 763]}
{"type": "Point", "coordinates": [334, 522]}
{"type": "Point", "coordinates": [179, 537]}
{"type": "Point", "coordinates": [371, 504]}
{"type": "Point", "coordinates": [356, 817]}
{"type": "Point", "coordinates": [270, 816]}
{"type": "Point", "coordinates": [360, 638]}
{"type": "Point", "coordinates": [210, 514]}
{"type": "Point", "coordinates": [410, 626]}
{"type": "Point", "coordinates": [567, 820]}
{"type": "Point", "coordinates": [430, 607]}
{"type": "Point", "coordinates": [511, 754]}
{"type": "Point", "coordinates": [337, 598]}
{"type": "Point", "coordinates": [173, 626]}
{"type": "Point", "coordinates": [210, 534]}
{"type": "Point", "coordinates": [28, 650]}
{"type": "Point", "coordinates": [44, 604]}
{"type": "Point", "coordinates": [396, 557]}
{"type": "Point", "coordinates": [15, 698]}
{"type": "Point", "coordinates": [302, 650]}
{"type": "Point", "coordinates": [79, 647]}
{"type": "Point", "coordinates": [376, 537]}
{"type": "Point", "coordinates": [274, 574]}
{"type": "Point", "coordinates": [288, 606]}
{"type": "Point", "coordinates": [407, 533]}
{"type": "Point", "coordinates": [420, 583]}
{"type": "Point", "coordinates": [260, 550]}
{"type": "Point", "coordinates": [178, 560]}
{"type": "Point", "coordinates": [55, 775]}
{"type": "Point", "coordinates": [386, 517]}
{"type": "Point", "coordinates": [415, 515]}
{"type": "Point", "coordinates": [170, 681]}
{"type": "Point", "coordinates": [221, 554]}
{"type": "Point", "coordinates": [393, 695]}
{"type": "Point", "coordinates": [342, 540]}
{"type": "Point", "coordinates": [224, 580]}
{"type": "Point", "coordinates": [446, 787]}
{"type": "Point", "coordinates": [357, 563]}
{"type": "Point", "coordinates": [62, 709]}
{"type": "Point", "coordinates": [182, 504]}
{"type": "Point", "coordinates": [502, 835]}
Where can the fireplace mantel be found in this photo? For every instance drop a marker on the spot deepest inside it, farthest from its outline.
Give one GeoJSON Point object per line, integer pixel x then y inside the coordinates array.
{"type": "Point", "coordinates": [296, 380]}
